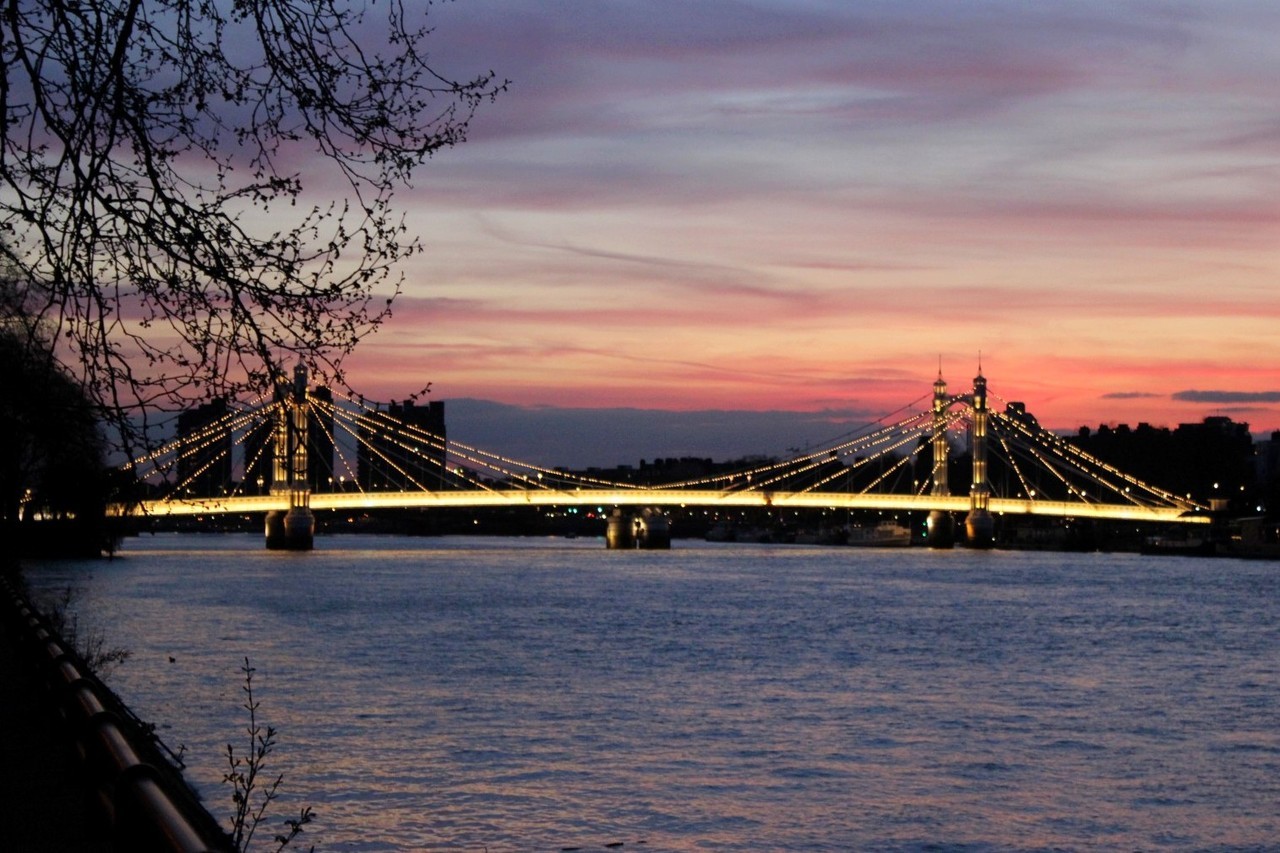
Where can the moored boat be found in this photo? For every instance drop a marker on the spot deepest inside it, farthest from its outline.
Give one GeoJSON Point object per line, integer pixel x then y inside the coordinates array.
{"type": "Point", "coordinates": [1190, 546]}
{"type": "Point", "coordinates": [886, 534]}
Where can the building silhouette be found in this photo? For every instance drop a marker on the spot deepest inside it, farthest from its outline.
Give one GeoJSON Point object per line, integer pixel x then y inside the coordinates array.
{"type": "Point", "coordinates": [320, 442]}
{"type": "Point", "coordinates": [387, 461]}
{"type": "Point", "coordinates": [205, 446]}
{"type": "Point", "coordinates": [259, 457]}
{"type": "Point", "coordinates": [1213, 460]}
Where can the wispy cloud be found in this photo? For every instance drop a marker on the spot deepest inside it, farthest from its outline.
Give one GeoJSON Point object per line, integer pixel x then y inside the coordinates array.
{"type": "Point", "coordinates": [1131, 395]}
{"type": "Point", "coordinates": [798, 205]}
{"type": "Point", "coordinates": [1228, 397]}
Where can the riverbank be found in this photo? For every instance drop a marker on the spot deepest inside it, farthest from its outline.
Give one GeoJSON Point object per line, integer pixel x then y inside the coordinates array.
{"type": "Point", "coordinates": [81, 771]}
{"type": "Point", "coordinates": [46, 797]}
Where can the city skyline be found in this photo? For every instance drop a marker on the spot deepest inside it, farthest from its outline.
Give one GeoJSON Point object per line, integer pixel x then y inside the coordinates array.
{"type": "Point", "coordinates": [805, 207]}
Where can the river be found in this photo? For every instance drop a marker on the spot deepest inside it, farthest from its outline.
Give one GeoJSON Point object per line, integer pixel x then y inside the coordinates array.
{"type": "Point", "coordinates": [541, 694]}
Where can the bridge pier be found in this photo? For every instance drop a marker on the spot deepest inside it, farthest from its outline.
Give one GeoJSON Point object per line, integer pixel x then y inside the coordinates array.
{"type": "Point", "coordinates": [980, 529]}
{"type": "Point", "coordinates": [940, 530]}
{"type": "Point", "coordinates": [291, 531]}
{"type": "Point", "coordinates": [648, 529]}
{"type": "Point", "coordinates": [275, 530]}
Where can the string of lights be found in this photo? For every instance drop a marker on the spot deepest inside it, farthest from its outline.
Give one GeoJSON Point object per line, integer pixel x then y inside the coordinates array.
{"type": "Point", "coordinates": [205, 447]}
{"type": "Point", "coordinates": [1043, 465]}
{"type": "Point", "coordinates": [1094, 469]}
{"type": "Point", "coordinates": [351, 476]}
{"type": "Point", "coordinates": [773, 472]}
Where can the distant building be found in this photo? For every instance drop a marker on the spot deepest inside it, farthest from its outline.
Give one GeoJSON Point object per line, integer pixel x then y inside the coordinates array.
{"type": "Point", "coordinates": [1211, 460]}
{"type": "Point", "coordinates": [259, 457]}
{"type": "Point", "coordinates": [1267, 468]}
{"type": "Point", "coordinates": [402, 448]}
{"type": "Point", "coordinates": [204, 450]}
{"type": "Point", "coordinates": [1267, 454]}
{"type": "Point", "coordinates": [1018, 412]}
{"type": "Point", "coordinates": [320, 440]}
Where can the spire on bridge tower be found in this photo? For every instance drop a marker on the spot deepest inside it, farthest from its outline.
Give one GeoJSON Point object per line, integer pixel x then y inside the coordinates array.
{"type": "Point", "coordinates": [940, 529]}
{"type": "Point", "coordinates": [941, 450]}
{"type": "Point", "coordinates": [979, 525]}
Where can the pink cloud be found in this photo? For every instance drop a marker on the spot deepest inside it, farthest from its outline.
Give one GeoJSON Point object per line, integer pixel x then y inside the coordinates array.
{"type": "Point", "coordinates": [777, 206]}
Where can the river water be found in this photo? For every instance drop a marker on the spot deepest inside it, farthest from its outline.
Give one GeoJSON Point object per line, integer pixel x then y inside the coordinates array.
{"type": "Point", "coordinates": [540, 694]}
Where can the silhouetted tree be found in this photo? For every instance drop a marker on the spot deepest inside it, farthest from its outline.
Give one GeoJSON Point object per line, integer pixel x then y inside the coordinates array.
{"type": "Point", "coordinates": [152, 202]}
{"type": "Point", "coordinates": [51, 456]}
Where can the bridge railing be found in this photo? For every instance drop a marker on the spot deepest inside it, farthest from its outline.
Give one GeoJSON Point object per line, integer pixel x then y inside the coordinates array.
{"type": "Point", "coordinates": [605, 498]}
{"type": "Point", "coordinates": [144, 800]}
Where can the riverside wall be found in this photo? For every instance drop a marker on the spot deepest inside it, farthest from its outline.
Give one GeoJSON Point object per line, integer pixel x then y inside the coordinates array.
{"type": "Point", "coordinates": [81, 771]}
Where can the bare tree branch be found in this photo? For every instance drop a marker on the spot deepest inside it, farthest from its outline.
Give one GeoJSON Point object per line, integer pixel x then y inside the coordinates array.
{"type": "Point", "coordinates": [153, 215]}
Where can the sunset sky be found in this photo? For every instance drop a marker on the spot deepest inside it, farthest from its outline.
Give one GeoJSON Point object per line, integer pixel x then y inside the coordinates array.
{"type": "Point", "coordinates": [793, 205]}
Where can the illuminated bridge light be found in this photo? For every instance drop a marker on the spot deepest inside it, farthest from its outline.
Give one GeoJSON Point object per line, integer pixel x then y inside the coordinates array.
{"type": "Point", "coordinates": [859, 473]}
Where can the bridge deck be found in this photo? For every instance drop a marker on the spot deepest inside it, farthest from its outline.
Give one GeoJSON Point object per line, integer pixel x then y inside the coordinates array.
{"type": "Point", "coordinates": [662, 497]}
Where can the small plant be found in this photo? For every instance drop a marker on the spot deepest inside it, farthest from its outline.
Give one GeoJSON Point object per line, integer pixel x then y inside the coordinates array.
{"type": "Point", "coordinates": [251, 794]}
{"type": "Point", "coordinates": [92, 646]}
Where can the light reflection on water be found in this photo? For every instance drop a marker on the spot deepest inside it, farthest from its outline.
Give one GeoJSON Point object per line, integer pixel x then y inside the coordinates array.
{"type": "Point", "coordinates": [533, 694]}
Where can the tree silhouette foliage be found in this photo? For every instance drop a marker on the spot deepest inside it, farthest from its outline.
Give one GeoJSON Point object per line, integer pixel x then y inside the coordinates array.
{"type": "Point", "coordinates": [51, 457]}
{"type": "Point", "coordinates": [153, 213]}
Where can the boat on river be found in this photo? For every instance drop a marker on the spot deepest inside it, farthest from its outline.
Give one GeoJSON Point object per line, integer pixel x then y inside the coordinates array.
{"type": "Point", "coordinates": [1178, 546]}
{"type": "Point", "coordinates": [886, 534]}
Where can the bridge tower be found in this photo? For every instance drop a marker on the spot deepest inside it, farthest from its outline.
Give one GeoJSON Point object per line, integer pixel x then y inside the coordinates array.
{"type": "Point", "coordinates": [940, 529]}
{"type": "Point", "coordinates": [293, 530]}
{"type": "Point", "coordinates": [979, 525]}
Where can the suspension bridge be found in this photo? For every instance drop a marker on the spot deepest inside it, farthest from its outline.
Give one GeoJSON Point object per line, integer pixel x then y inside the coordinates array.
{"type": "Point", "coordinates": [300, 451]}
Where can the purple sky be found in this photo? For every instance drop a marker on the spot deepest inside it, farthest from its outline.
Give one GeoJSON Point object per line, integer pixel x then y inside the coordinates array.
{"type": "Point", "coordinates": [802, 206]}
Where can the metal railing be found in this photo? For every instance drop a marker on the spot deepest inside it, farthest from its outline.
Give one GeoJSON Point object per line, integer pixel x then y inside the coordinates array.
{"type": "Point", "coordinates": [146, 803]}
